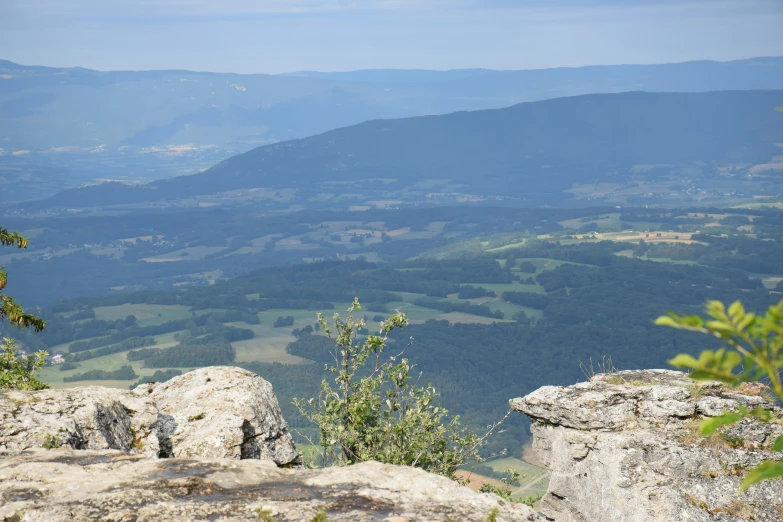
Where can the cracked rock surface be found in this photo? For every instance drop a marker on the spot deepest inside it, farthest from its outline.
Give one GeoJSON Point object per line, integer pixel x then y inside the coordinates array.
{"type": "Point", "coordinates": [221, 412]}
{"type": "Point", "coordinates": [67, 485]}
{"type": "Point", "coordinates": [91, 417]}
{"type": "Point", "coordinates": [208, 445]}
{"type": "Point", "coordinates": [625, 447]}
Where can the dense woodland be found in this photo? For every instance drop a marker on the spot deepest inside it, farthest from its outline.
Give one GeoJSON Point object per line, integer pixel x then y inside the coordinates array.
{"type": "Point", "coordinates": [488, 324]}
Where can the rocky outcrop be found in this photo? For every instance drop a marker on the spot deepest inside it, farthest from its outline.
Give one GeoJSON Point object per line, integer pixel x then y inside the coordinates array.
{"type": "Point", "coordinates": [81, 418]}
{"type": "Point", "coordinates": [66, 485]}
{"type": "Point", "coordinates": [92, 454]}
{"type": "Point", "coordinates": [220, 412]}
{"type": "Point", "coordinates": [626, 447]}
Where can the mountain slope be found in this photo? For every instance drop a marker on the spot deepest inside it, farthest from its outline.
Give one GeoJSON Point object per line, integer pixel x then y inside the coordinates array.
{"type": "Point", "coordinates": [528, 150]}
{"type": "Point", "coordinates": [43, 108]}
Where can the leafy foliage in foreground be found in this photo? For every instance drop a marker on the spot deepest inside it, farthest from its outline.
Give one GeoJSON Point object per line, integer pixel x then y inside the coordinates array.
{"type": "Point", "coordinates": [375, 413]}
{"type": "Point", "coordinates": [17, 372]}
{"type": "Point", "coordinates": [755, 352]}
{"type": "Point", "coordinates": [9, 308]}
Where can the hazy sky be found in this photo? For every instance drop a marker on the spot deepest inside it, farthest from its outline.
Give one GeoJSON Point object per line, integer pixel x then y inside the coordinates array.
{"type": "Point", "coordinates": [273, 36]}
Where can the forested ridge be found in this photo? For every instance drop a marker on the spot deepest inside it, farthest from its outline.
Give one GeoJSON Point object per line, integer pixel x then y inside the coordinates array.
{"type": "Point", "coordinates": [531, 150]}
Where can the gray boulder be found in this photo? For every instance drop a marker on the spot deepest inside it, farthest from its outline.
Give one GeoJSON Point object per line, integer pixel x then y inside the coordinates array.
{"type": "Point", "coordinates": [91, 417]}
{"type": "Point", "coordinates": [66, 485]}
{"type": "Point", "coordinates": [626, 447]}
{"type": "Point", "coordinates": [220, 412]}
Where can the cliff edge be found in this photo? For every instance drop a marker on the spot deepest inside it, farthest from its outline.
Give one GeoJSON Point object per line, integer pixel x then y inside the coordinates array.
{"type": "Point", "coordinates": [208, 445]}
{"type": "Point", "coordinates": [625, 447]}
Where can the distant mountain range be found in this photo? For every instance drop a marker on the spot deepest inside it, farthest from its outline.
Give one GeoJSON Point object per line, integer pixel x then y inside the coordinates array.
{"type": "Point", "coordinates": [531, 151]}
{"type": "Point", "coordinates": [74, 109]}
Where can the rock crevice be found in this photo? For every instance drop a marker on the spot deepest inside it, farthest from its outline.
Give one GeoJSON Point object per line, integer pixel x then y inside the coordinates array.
{"type": "Point", "coordinates": [204, 413]}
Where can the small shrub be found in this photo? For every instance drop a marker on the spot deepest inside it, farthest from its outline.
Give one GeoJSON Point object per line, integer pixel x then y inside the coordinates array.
{"type": "Point", "coordinates": [504, 492]}
{"type": "Point", "coordinates": [17, 372]}
{"type": "Point", "coordinates": [124, 373]}
{"type": "Point", "coordinates": [52, 442]}
{"type": "Point", "coordinates": [603, 370]}
{"type": "Point", "coordinates": [158, 376]}
{"type": "Point", "coordinates": [734, 441]}
{"type": "Point", "coordinates": [281, 322]}
{"type": "Point", "coordinates": [696, 390]}
{"type": "Point", "coordinates": [531, 500]}
{"type": "Point", "coordinates": [374, 413]}
{"type": "Point", "coordinates": [265, 515]}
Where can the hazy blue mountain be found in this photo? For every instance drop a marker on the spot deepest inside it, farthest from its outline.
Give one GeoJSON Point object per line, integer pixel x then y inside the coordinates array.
{"type": "Point", "coordinates": [44, 108]}
{"type": "Point", "coordinates": [706, 75]}
{"type": "Point", "coordinates": [531, 151]}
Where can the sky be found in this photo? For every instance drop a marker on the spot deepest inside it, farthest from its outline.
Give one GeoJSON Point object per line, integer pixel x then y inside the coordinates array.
{"type": "Point", "coordinates": [275, 36]}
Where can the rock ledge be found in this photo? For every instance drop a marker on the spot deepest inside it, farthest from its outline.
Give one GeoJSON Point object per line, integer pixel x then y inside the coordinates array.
{"type": "Point", "coordinates": [219, 411]}
{"type": "Point", "coordinates": [626, 447]}
{"type": "Point", "coordinates": [208, 445]}
{"type": "Point", "coordinates": [67, 485]}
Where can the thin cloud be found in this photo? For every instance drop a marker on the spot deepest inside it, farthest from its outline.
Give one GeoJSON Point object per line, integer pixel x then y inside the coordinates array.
{"type": "Point", "coordinates": [199, 8]}
{"type": "Point", "coordinates": [227, 9]}
{"type": "Point", "coordinates": [287, 35]}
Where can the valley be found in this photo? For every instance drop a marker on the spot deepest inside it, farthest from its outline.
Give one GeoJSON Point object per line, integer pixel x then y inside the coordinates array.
{"type": "Point", "coordinates": [498, 299]}
{"type": "Point", "coordinates": [529, 245]}
{"type": "Point", "coordinates": [327, 260]}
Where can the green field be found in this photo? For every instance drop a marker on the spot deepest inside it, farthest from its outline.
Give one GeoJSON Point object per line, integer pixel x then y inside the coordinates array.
{"type": "Point", "coordinates": [185, 254]}
{"type": "Point", "coordinates": [509, 309]}
{"type": "Point", "coordinates": [543, 263]}
{"type": "Point", "coordinates": [670, 260]}
{"type": "Point", "coordinates": [526, 470]}
{"type": "Point", "coordinates": [54, 377]}
{"type": "Point", "coordinates": [415, 313]}
{"type": "Point", "coordinates": [146, 314]}
{"type": "Point", "coordinates": [269, 343]}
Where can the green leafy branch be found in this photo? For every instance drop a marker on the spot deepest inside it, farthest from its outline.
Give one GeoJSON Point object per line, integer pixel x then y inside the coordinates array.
{"type": "Point", "coordinates": [16, 372]}
{"type": "Point", "coordinates": [755, 352]}
{"type": "Point", "coordinates": [9, 308]}
{"type": "Point", "coordinates": [374, 412]}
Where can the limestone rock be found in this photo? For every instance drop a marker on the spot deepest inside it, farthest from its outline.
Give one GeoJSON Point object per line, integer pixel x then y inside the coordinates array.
{"type": "Point", "coordinates": [91, 417]}
{"type": "Point", "coordinates": [220, 412]}
{"type": "Point", "coordinates": [626, 447]}
{"type": "Point", "coordinates": [66, 485]}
